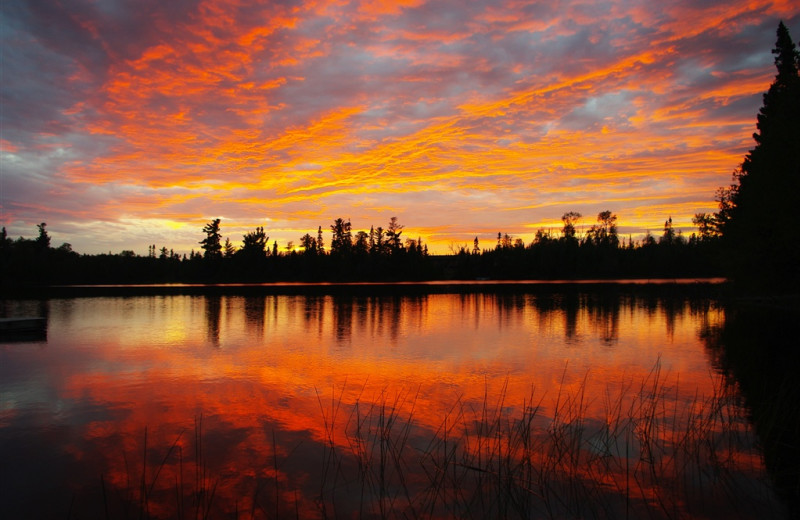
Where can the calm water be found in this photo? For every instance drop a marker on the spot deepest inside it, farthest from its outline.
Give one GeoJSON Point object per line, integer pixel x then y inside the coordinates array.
{"type": "Point", "coordinates": [442, 405]}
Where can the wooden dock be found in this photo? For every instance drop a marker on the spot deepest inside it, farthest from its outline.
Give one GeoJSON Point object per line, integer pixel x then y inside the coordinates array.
{"type": "Point", "coordinates": [27, 324]}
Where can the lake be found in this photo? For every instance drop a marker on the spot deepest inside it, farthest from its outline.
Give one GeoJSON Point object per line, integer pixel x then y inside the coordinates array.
{"type": "Point", "coordinates": [526, 403]}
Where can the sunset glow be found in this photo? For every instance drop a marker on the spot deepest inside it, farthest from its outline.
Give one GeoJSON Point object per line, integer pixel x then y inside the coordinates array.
{"type": "Point", "coordinates": [126, 124]}
{"type": "Point", "coordinates": [268, 384]}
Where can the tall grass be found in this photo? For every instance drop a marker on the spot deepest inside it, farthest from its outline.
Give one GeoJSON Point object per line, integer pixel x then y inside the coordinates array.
{"type": "Point", "coordinates": [651, 454]}
{"type": "Point", "coordinates": [149, 498]}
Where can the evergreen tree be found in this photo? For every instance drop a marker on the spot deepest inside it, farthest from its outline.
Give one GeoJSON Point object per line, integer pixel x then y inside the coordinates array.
{"type": "Point", "coordinates": [668, 238]}
{"type": "Point", "coordinates": [371, 239]}
{"type": "Point", "coordinates": [361, 245]}
{"type": "Point", "coordinates": [254, 243]}
{"type": "Point", "coordinates": [320, 241]}
{"type": "Point", "coordinates": [228, 249]}
{"type": "Point", "coordinates": [342, 239]}
{"type": "Point", "coordinates": [309, 244]}
{"type": "Point", "coordinates": [393, 233]}
{"type": "Point", "coordinates": [757, 213]}
{"type": "Point", "coordinates": [570, 219]}
{"type": "Point", "coordinates": [5, 242]}
{"type": "Point", "coordinates": [43, 240]}
{"type": "Point", "coordinates": [212, 244]}
{"type": "Point", "coordinates": [379, 245]}
{"type": "Point", "coordinates": [706, 226]}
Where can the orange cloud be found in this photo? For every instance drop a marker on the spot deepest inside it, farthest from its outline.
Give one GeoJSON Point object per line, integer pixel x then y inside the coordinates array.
{"type": "Point", "coordinates": [330, 108]}
{"type": "Point", "coordinates": [266, 381]}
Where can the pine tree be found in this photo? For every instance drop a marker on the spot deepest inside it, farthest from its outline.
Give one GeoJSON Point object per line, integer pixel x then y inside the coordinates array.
{"type": "Point", "coordinates": [757, 222]}
{"type": "Point", "coordinates": [43, 240]}
{"type": "Point", "coordinates": [254, 243]}
{"type": "Point", "coordinates": [212, 243]}
{"type": "Point", "coordinates": [320, 242]}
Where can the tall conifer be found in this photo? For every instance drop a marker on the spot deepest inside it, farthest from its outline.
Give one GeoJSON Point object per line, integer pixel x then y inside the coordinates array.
{"type": "Point", "coordinates": [212, 244]}
{"type": "Point", "coordinates": [759, 221]}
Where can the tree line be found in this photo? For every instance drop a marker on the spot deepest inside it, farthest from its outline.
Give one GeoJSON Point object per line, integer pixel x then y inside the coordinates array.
{"type": "Point", "coordinates": [380, 254]}
{"type": "Point", "coordinates": [751, 238]}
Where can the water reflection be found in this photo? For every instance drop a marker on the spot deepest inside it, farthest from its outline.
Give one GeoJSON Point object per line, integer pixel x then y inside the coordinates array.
{"type": "Point", "coordinates": [23, 321]}
{"type": "Point", "coordinates": [758, 350]}
{"type": "Point", "coordinates": [417, 406]}
{"type": "Point", "coordinates": [213, 317]}
{"type": "Point", "coordinates": [255, 310]}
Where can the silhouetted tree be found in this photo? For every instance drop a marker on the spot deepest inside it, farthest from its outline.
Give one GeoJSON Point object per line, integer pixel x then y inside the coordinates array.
{"type": "Point", "coordinates": [542, 237]}
{"type": "Point", "coordinates": [228, 250]}
{"type": "Point", "coordinates": [604, 233]}
{"type": "Point", "coordinates": [377, 245]}
{"type": "Point", "coordinates": [422, 247]}
{"type": "Point", "coordinates": [668, 238]}
{"type": "Point", "coordinates": [320, 241]}
{"type": "Point", "coordinates": [504, 241]}
{"type": "Point", "coordinates": [5, 242]}
{"type": "Point", "coordinates": [309, 244]}
{"type": "Point", "coordinates": [342, 239]}
{"type": "Point", "coordinates": [43, 240]}
{"type": "Point", "coordinates": [707, 225]}
{"type": "Point", "coordinates": [757, 213]}
{"type": "Point", "coordinates": [546, 257]}
{"type": "Point", "coordinates": [724, 198]}
{"type": "Point", "coordinates": [361, 245]}
{"type": "Point", "coordinates": [254, 243]}
{"type": "Point", "coordinates": [211, 245]}
{"type": "Point", "coordinates": [570, 219]}
{"type": "Point", "coordinates": [393, 233]}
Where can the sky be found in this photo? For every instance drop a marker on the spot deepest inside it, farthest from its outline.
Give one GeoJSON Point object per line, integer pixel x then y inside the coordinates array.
{"type": "Point", "coordinates": [125, 123]}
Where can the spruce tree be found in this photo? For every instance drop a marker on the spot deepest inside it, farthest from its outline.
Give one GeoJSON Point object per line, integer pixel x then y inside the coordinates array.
{"type": "Point", "coordinates": [758, 220]}
{"type": "Point", "coordinates": [212, 244]}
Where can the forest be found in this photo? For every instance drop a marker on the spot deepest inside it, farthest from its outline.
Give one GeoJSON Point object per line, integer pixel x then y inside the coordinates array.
{"type": "Point", "coordinates": [377, 255]}
{"type": "Point", "coordinates": [750, 239]}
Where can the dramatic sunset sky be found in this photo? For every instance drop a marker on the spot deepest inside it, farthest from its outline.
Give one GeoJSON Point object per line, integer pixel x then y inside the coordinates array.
{"type": "Point", "coordinates": [134, 122]}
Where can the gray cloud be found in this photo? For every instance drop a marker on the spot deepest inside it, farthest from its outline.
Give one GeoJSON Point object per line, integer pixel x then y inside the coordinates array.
{"type": "Point", "coordinates": [467, 104]}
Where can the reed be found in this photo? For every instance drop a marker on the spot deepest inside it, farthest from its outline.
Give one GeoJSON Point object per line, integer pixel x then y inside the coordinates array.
{"type": "Point", "coordinates": [650, 455]}
{"type": "Point", "coordinates": [149, 498]}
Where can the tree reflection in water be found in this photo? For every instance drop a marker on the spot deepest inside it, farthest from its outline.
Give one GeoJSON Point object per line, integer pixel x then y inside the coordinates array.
{"type": "Point", "coordinates": [757, 347]}
{"type": "Point", "coordinates": [549, 404]}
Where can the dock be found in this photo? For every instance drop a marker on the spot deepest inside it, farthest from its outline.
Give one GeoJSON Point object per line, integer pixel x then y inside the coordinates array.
{"type": "Point", "coordinates": [28, 324]}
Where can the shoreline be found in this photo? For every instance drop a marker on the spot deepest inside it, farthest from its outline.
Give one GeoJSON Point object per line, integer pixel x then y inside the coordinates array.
{"type": "Point", "coordinates": [365, 288]}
